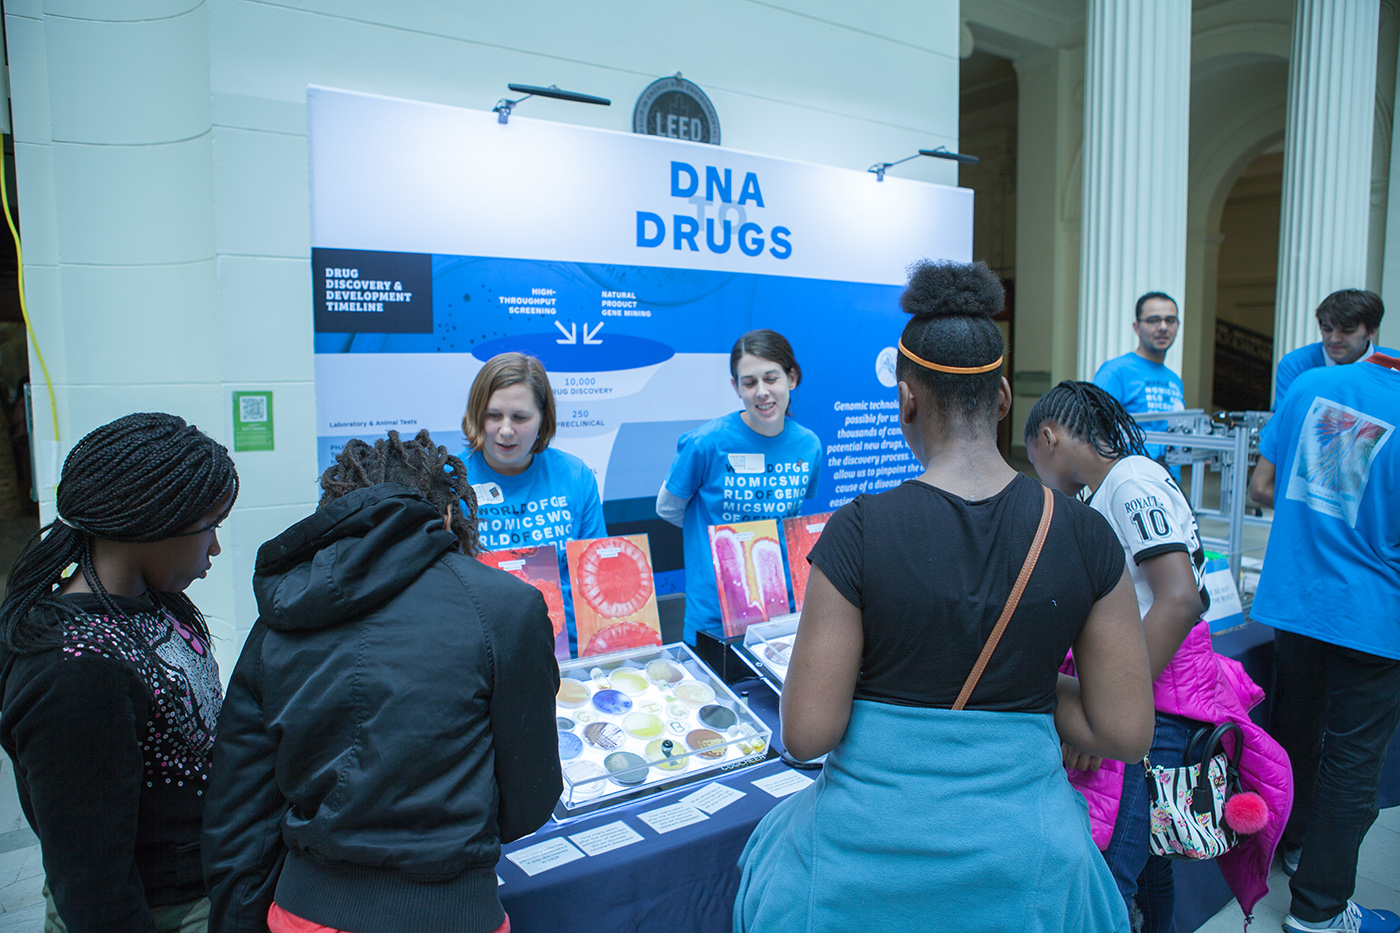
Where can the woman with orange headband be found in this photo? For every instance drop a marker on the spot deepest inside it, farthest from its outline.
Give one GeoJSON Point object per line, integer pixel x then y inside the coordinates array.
{"type": "Point", "coordinates": [926, 668]}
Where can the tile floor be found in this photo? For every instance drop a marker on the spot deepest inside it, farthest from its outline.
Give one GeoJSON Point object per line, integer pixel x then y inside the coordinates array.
{"type": "Point", "coordinates": [1377, 882]}
{"type": "Point", "coordinates": [21, 883]}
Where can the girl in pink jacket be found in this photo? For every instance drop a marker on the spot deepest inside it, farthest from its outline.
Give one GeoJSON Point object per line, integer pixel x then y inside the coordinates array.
{"type": "Point", "coordinates": [1079, 436]}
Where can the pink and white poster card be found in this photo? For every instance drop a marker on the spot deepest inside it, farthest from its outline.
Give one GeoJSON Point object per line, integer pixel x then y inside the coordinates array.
{"type": "Point", "coordinates": [749, 574]}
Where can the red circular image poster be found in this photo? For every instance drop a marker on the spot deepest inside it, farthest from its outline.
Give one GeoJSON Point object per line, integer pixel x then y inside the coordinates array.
{"type": "Point", "coordinates": [614, 596]}
{"type": "Point", "coordinates": [615, 577]}
{"type": "Point", "coordinates": [621, 635]}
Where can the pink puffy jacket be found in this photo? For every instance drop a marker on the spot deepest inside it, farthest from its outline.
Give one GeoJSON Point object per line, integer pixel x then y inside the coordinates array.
{"type": "Point", "coordinates": [1200, 684]}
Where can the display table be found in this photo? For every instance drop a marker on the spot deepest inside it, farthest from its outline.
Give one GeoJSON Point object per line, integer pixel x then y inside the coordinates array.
{"type": "Point", "coordinates": [685, 880]}
{"type": "Point", "coordinates": [680, 881]}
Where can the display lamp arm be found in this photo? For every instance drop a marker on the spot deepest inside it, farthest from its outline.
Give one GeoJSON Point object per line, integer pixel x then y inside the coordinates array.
{"type": "Point", "coordinates": [940, 153]}
{"type": "Point", "coordinates": [504, 106]}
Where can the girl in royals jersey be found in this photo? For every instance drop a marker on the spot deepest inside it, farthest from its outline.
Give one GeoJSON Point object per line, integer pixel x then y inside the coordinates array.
{"type": "Point", "coordinates": [528, 494]}
{"type": "Point", "coordinates": [744, 466]}
{"type": "Point", "coordinates": [1078, 436]}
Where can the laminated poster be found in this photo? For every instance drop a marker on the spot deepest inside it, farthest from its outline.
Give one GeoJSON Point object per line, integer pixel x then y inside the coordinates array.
{"type": "Point", "coordinates": [748, 573]}
{"type": "Point", "coordinates": [801, 533]}
{"type": "Point", "coordinates": [539, 567]}
{"type": "Point", "coordinates": [614, 596]}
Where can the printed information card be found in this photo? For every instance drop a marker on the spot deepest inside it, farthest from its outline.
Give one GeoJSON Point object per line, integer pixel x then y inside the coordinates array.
{"type": "Point", "coordinates": [606, 838]}
{"type": "Point", "coordinates": [712, 799]}
{"type": "Point", "coordinates": [673, 817]}
{"type": "Point", "coordinates": [545, 855]}
{"type": "Point", "coordinates": [780, 785]}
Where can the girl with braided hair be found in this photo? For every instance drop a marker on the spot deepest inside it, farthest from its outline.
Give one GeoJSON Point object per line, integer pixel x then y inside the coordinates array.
{"type": "Point", "coordinates": [109, 687]}
{"type": "Point", "coordinates": [1079, 437]}
{"type": "Point", "coordinates": [391, 720]}
{"type": "Point", "coordinates": [943, 804]}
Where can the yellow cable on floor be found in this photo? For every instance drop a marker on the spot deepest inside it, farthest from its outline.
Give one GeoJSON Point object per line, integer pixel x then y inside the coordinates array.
{"type": "Point", "coordinates": [23, 305]}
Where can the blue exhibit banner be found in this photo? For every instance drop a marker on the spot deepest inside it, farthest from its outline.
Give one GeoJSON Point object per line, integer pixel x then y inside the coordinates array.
{"type": "Point", "coordinates": [638, 341]}
{"type": "Point", "coordinates": [628, 264]}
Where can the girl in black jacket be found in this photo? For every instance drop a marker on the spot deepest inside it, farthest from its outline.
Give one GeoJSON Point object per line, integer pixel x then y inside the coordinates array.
{"type": "Point", "coordinates": [391, 720]}
{"type": "Point", "coordinates": [109, 688]}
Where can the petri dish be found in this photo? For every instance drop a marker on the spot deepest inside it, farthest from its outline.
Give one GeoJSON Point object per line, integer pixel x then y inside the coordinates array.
{"type": "Point", "coordinates": [564, 723]}
{"type": "Point", "coordinates": [694, 693]}
{"type": "Point", "coordinates": [611, 702]}
{"type": "Point", "coordinates": [779, 653]}
{"type": "Point", "coordinates": [570, 746]}
{"type": "Point", "coordinates": [717, 717]}
{"type": "Point", "coordinates": [629, 682]}
{"type": "Point", "coordinates": [603, 735]}
{"type": "Point", "coordinates": [626, 768]}
{"type": "Point", "coordinates": [583, 783]}
{"type": "Point", "coordinates": [572, 693]}
{"type": "Point", "coordinates": [677, 762]}
{"type": "Point", "coordinates": [664, 672]}
{"type": "Point", "coordinates": [641, 725]}
{"type": "Point", "coordinates": [700, 739]}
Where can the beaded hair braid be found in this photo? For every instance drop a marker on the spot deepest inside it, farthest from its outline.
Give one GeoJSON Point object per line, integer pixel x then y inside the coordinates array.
{"type": "Point", "coordinates": [145, 477]}
{"type": "Point", "coordinates": [418, 464]}
{"type": "Point", "coordinates": [1088, 412]}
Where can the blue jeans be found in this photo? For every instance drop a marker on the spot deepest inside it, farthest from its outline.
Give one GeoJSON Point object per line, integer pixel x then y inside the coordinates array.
{"type": "Point", "coordinates": [1139, 874]}
{"type": "Point", "coordinates": [1335, 711]}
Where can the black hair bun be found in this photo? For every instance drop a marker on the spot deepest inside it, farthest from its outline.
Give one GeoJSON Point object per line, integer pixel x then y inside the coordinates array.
{"type": "Point", "coordinates": [952, 289]}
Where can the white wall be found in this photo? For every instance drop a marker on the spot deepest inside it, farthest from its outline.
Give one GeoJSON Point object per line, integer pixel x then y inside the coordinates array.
{"type": "Point", "coordinates": [161, 152]}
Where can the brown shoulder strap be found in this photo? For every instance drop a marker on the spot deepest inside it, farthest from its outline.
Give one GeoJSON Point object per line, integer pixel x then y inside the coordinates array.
{"type": "Point", "coordinates": [1012, 601]}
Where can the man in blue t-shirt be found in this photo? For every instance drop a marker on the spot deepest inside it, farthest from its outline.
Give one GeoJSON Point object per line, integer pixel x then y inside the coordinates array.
{"type": "Point", "coordinates": [1348, 321]}
{"type": "Point", "coordinates": [1329, 464]}
{"type": "Point", "coordinates": [1140, 380]}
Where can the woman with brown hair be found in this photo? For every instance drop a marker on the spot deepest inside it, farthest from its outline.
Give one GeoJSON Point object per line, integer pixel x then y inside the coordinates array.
{"type": "Point", "coordinates": [528, 493]}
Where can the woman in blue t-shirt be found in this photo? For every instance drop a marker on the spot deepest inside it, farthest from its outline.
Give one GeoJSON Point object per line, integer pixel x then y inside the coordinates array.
{"type": "Point", "coordinates": [527, 493]}
{"type": "Point", "coordinates": [744, 466]}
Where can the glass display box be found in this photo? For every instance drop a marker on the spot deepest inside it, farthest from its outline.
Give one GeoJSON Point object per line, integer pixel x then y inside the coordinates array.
{"type": "Point", "coordinates": [767, 648]}
{"type": "Point", "coordinates": [635, 723]}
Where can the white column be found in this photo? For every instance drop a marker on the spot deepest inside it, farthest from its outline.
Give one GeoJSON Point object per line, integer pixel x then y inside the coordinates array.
{"type": "Point", "coordinates": [1137, 93]}
{"type": "Point", "coordinates": [1390, 267]}
{"type": "Point", "coordinates": [1326, 161]}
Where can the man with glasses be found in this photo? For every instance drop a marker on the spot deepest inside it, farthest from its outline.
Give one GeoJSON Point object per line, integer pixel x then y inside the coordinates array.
{"type": "Point", "coordinates": [1348, 321]}
{"type": "Point", "coordinates": [1140, 380]}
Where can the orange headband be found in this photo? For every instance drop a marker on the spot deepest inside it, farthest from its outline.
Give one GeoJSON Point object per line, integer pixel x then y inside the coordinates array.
{"type": "Point", "coordinates": [955, 370]}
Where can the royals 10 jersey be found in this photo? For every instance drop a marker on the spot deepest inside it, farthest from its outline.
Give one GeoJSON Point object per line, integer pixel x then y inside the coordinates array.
{"type": "Point", "coordinates": [1150, 515]}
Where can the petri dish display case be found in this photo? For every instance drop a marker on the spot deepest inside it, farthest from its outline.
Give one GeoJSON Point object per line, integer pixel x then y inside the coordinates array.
{"type": "Point", "coordinates": [639, 722]}
{"type": "Point", "coordinates": [767, 648]}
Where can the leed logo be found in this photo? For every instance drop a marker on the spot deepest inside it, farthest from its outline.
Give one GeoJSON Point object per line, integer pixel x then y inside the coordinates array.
{"type": "Point", "coordinates": [675, 108]}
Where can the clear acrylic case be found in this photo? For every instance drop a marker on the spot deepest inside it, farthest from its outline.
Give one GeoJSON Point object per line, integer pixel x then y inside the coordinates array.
{"type": "Point", "coordinates": [767, 648]}
{"type": "Point", "coordinates": [617, 711]}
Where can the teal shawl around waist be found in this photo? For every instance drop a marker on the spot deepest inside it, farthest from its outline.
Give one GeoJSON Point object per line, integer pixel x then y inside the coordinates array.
{"type": "Point", "coordinates": [930, 819]}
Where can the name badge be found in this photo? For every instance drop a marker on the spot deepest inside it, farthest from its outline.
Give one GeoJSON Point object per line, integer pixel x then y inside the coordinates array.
{"type": "Point", "coordinates": [746, 463]}
{"type": "Point", "coordinates": [488, 494]}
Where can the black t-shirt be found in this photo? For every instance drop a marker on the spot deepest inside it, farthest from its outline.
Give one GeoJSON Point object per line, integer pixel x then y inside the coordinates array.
{"type": "Point", "coordinates": [931, 573]}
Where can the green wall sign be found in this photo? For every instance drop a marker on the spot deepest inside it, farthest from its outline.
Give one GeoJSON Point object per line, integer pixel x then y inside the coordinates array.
{"type": "Point", "coordinates": [252, 421]}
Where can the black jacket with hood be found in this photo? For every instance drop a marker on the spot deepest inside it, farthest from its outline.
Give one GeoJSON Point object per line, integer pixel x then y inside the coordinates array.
{"type": "Point", "coordinates": [389, 724]}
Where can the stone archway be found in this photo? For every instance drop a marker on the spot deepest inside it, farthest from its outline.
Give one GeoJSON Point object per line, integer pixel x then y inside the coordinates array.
{"type": "Point", "coordinates": [1238, 111]}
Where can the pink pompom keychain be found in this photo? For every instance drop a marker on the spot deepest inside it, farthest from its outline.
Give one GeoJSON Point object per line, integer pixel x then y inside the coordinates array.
{"type": "Point", "coordinates": [1246, 812]}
